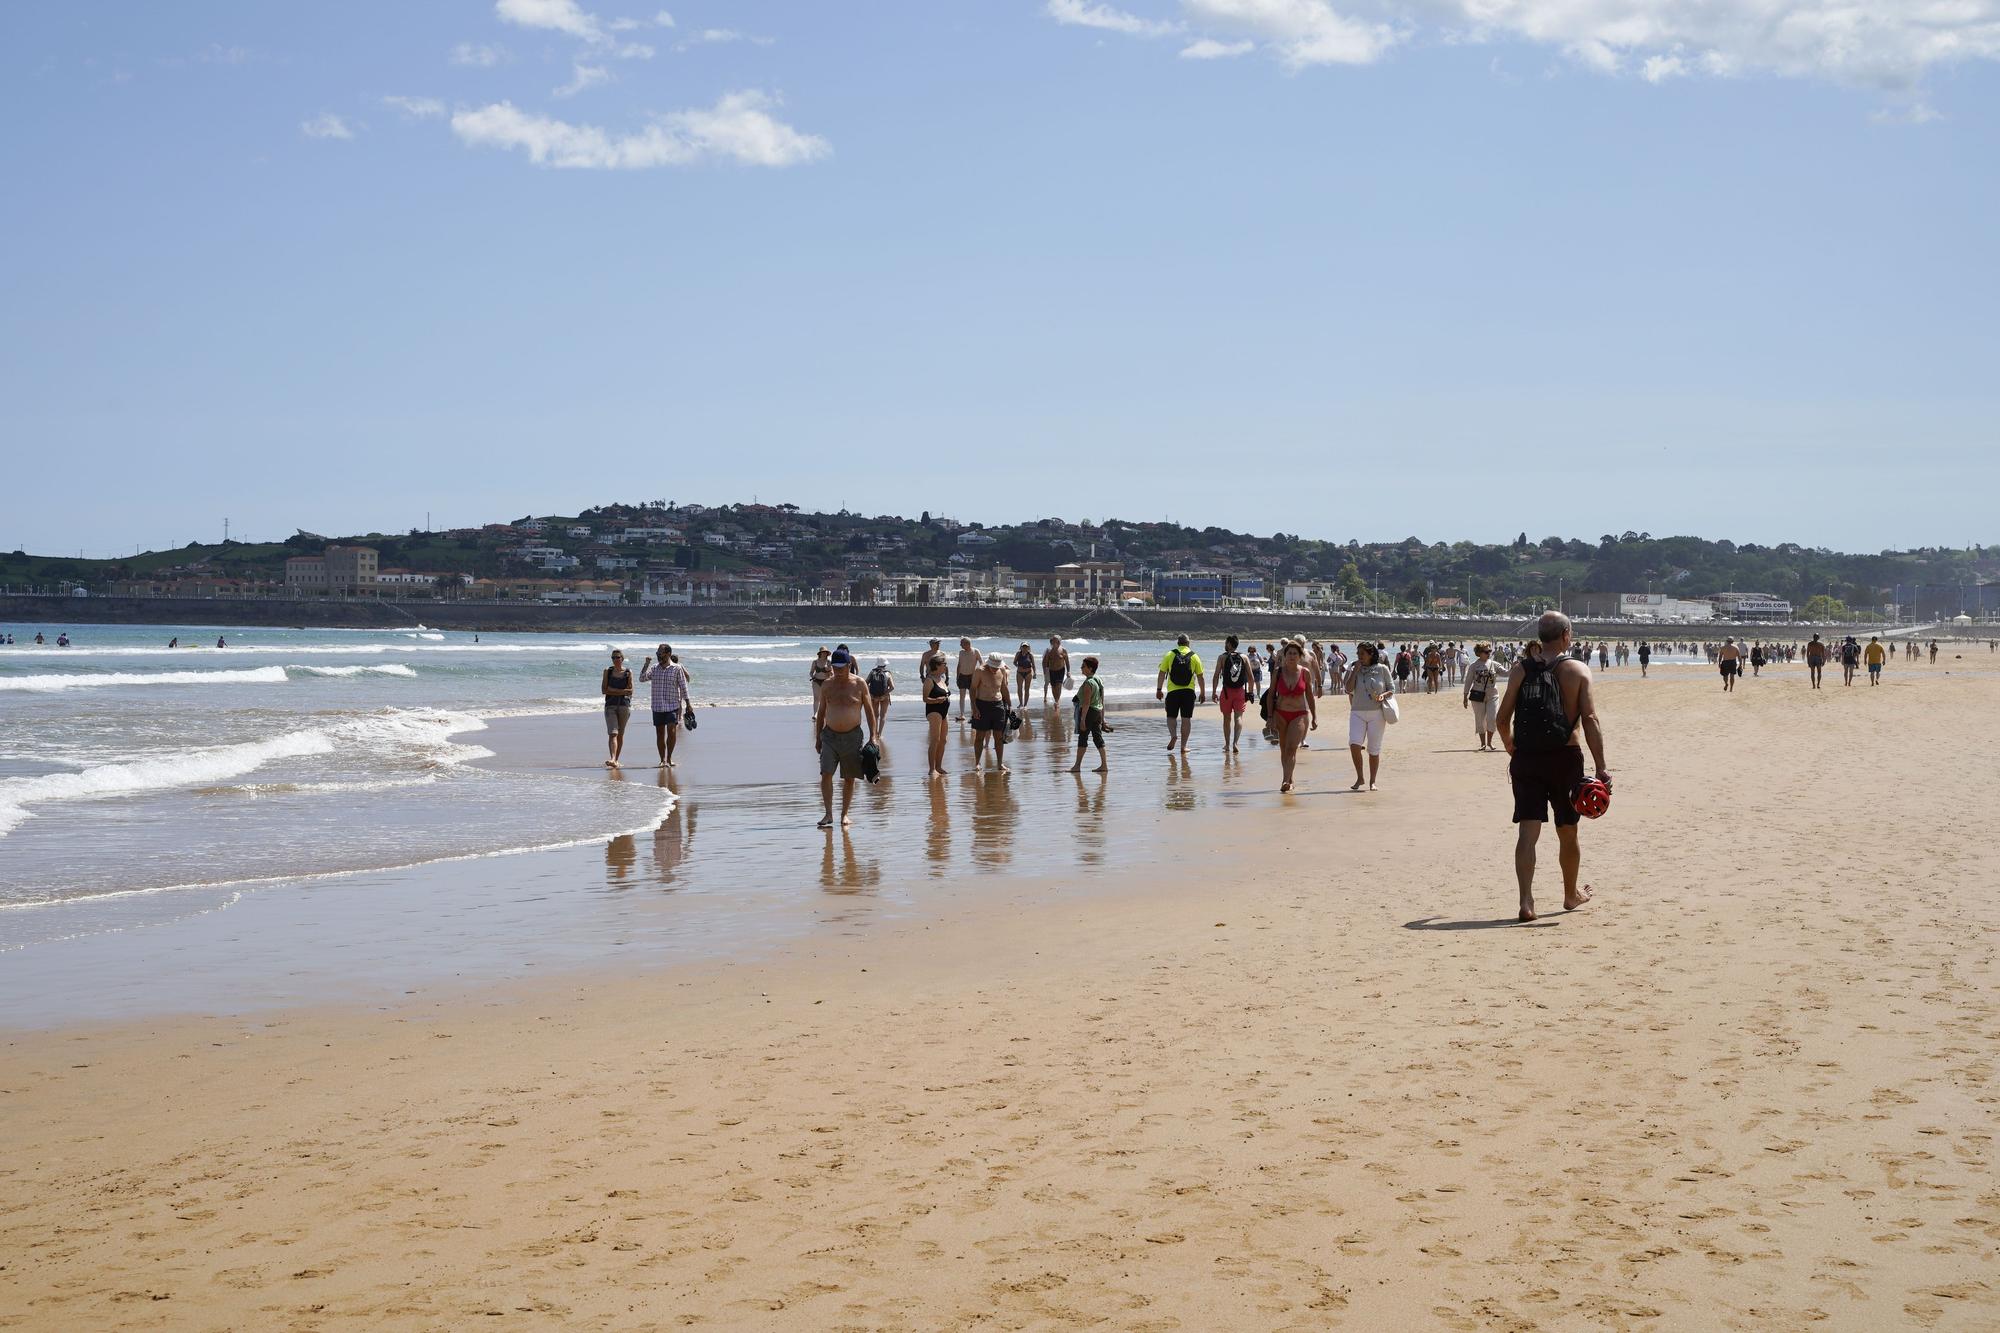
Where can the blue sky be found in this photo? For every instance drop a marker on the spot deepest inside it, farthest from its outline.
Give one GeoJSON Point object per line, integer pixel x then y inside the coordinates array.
{"type": "Point", "coordinates": [1456, 268]}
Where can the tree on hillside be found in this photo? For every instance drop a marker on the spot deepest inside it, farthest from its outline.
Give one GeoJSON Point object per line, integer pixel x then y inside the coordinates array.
{"type": "Point", "coordinates": [1822, 607]}
{"type": "Point", "coordinates": [1351, 584]}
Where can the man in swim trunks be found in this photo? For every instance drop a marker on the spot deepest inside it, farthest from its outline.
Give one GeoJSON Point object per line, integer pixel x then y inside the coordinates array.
{"type": "Point", "coordinates": [992, 700]}
{"type": "Point", "coordinates": [1182, 669]}
{"type": "Point", "coordinates": [1232, 692]}
{"type": "Point", "coordinates": [1815, 660]}
{"type": "Point", "coordinates": [968, 662]}
{"type": "Point", "coordinates": [1055, 669]}
{"type": "Point", "coordinates": [837, 734]}
{"type": "Point", "coordinates": [1730, 660]}
{"type": "Point", "coordinates": [1545, 766]}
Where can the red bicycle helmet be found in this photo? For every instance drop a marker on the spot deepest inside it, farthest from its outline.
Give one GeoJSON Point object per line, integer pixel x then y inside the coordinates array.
{"type": "Point", "coordinates": [1592, 797]}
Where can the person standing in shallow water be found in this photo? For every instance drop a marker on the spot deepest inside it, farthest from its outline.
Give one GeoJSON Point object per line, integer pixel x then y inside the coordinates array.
{"type": "Point", "coordinates": [1089, 700]}
{"type": "Point", "coordinates": [837, 734]}
{"type": "Point", "coordinates": [1548, 703]}
{"type": "Point", "coordinates": [937, 709]}
{"type": "Point", "coordinates": [1180, 680]}
{"type": "Point", "coordinates": [1294, 708]}
{"type": "Point", "coordinates": [616, 685]}
{"type": "Point", "coordinates": [669, 681]}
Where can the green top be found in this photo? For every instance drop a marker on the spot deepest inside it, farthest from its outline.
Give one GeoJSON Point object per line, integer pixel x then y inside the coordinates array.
{"type": "Point", "coordinates": [1096, 688]}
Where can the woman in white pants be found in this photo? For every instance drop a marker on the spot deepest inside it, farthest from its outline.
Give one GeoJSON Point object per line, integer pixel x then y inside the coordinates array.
{"type": "Point", "coordinates": [1369, 686]}
{"type": "Point", "coordinates": [1482, 695]}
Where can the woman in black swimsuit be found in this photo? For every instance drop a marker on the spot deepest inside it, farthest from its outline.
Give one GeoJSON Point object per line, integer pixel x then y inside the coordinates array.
{"type": "Point", "coordinates": [937, 706]}
{"type": "Point", "coordinates": [617, 687]}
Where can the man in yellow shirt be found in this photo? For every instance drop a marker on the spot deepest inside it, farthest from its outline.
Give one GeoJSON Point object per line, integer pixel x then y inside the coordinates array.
{"type": "Point", "coordinates": [1876, 655]}
{"type": "Point", "coordinates": [1180, 682]}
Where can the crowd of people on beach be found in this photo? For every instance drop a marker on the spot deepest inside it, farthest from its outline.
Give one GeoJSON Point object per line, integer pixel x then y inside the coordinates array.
{"type": "Point", "coordinates": [1533, 701]}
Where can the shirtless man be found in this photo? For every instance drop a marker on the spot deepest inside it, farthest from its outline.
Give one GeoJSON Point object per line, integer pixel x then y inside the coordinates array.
{"type": "Point", "coordinates": [1055, 670]}
{"type": "Point", "coordinates": [1815, 659]}
{"type": "Point", "coordinates": [968, 662]}
{"type": "Point", "coordinates": [992, 697]}
{"type": "Point", "coordinates": [837, 722]}
{"type": "Point", "coordinates": [924, 663]}
{"type": "Point", "coordinates": [1545, 764]}
{"type": "Point", "coordinates": [1730, 660]}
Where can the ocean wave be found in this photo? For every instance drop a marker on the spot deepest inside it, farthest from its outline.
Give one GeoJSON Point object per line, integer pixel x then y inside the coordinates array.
{"type": "Point", "coordinates": [425, 733]}
{"type": "Point", "coordinates": [49, 683]}
{"type": "Point", "coordinates": [384, 669]}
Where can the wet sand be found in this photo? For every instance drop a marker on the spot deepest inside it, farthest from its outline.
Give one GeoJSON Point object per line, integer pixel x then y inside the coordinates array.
{"type": "Point", "coordinates": [1298, 1071]}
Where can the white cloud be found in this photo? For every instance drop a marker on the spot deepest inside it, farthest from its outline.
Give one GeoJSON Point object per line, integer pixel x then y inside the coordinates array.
{"type": "Point", "coordinates": [1300, 32]}
{"type": "Point", "coordinates": [1658, 69]}
{"type": "Point", "coordinates": [1207, 48]}
{"type": "Point", "coordinates": [1883, 44]}
{"type": "Point", "coordinates": [422, 108]}
{"type": "Point", "coordinates": [477, 57]}
{"type": "Point", "coordinates": [738, 128]}
{"type": "Point", "coordinates": [1083, 14]}
{"type": "Point", "coordinates": [555, 15]}
{"type": "Point", "coordinates": [1909, 113]}
{"type": "Point", "coordinates": [585, 76]}
{"type": "Point", "coordinates": [663, 19]}
{"type": "Point", "coordinates": [326, 125]}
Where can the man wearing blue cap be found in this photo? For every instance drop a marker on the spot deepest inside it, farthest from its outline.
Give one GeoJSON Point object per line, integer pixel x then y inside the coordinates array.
{"type": "Point", "coordinates": [837, 722]}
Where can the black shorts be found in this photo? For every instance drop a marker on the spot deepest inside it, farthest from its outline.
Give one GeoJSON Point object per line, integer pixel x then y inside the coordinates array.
{"type": "Point", "coordinates": [669, 719]}
{"type": "Point", "coordinates": [965, 680]}
{"type": "Point", "coordinates": [989, 715]}
{"type": "Point", "coordinates": [1545, 780]}
{"type": "Point", "coordinates": [1180, 703]}
{"type": "Point", "coordinates": [1056, 679]}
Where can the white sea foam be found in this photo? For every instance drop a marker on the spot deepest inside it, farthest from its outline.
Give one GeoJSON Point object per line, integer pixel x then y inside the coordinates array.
{"type": "Point", "coordinates": [49, 683]}
{"type": "Point", "coordinates": [384, 669]}
{"type": "Point", "coordinates": [426, 732]}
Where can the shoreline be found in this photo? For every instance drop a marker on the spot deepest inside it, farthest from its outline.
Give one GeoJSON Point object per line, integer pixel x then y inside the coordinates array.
{"type": "Point", "coordinates": [1297, 1070]}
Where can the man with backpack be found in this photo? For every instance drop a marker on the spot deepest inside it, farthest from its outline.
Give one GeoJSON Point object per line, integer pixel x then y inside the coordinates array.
{"type": "Point", "coordinates": [1548, 702]}
{"type": "Point", "coordinates": [881, 685]}
{"type": "Point", "coordinates": [1232, 691]}
{"type": "Point", "coordinates": [1181, 685]}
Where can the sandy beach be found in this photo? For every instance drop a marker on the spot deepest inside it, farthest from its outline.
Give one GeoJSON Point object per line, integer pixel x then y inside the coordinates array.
{"type": "Point", "coordinates": [1290, 1065]}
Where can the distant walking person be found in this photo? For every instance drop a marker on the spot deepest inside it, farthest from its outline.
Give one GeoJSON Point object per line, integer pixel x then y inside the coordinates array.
{"type": "Point", "coordinates": [1850, 659]}
{"type": "Point", "coordinates": [616, 684]}
{"type": "Point", "coordinates": [881, 687]}
{"type": "Point", "coordinates": [1548, 702]}
{"type": "Point", "coordinates": [968, 662]}
{"type": "Point", "coordinates": [1055, 671]}
{"type": "Point", "coordinates": [1482, 695]}
{"type": "Point", "coordinates": [1815, 660]}
{"type": "Point", "coordinates": [937, 709]}
{"type": "Point", "coordinates": [669, 680]}
{"type": "Point", "coordinates": [1232, 691]}
{"type": "Point", "coordinates": [1090, 718]}
{"type": "Point", "coordinates": [991, 702]}
{"type": "Point", "coordinates": [1645, 657]}
{"type": "Point", "coordinates": [1876, 654]}
{"type": "Point", "coordinates": [1294, 710]}
{"type": "Point", "coordinates": [1024, 672]}
{"type": "Point", "coordinates": [1730, 661]}
{"type": "Point", "coordinates": [1369, 687]}
{"type": "Point", "coordinates": [819, 673]}
{"type": "Point", "coordinates": [837, 734]}
{"type": "Point", "coordinates": [1179, 683]}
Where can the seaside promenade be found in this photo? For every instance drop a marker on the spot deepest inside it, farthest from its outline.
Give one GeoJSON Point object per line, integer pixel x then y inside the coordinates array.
{"type": "Point", "coordinates": [1288, 1065]}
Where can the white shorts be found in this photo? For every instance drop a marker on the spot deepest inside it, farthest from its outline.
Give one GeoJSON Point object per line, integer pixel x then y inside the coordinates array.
{"type": "Point", "coordinates": [1366, 729]}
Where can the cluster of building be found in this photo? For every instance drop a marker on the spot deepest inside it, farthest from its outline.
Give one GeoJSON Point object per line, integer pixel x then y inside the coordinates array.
{"type": "Point", "coordinates": [1731, 606]}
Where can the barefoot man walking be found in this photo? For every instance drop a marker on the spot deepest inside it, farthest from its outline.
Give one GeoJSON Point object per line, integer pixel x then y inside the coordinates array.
{"type": "Point", "coordinates": [1548, 701]}
{"type": "Point", "coordinates": [843, 707]}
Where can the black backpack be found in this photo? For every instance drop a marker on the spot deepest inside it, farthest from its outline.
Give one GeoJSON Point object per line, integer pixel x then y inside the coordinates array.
{"type": "Point", "coordinates": [1181, 671]}
{"type": "Point", "coordinates": [1541, 725]}
{"type": "Point", "coordinates": [878, 682]}
{"type": "Point", "coordinates": [1235, 671]}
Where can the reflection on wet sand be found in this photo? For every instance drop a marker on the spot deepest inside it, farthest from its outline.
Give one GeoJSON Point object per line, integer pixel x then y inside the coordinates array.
{"type": "Point", "coordinates": [673, 841]}
{"type": "Point", "coordinates": [1181, 794]}
{"type": "Point", "coordinates": [1090, 818]}
{"type": "Point", "coordinates": [843, 870]}
{"type": "Point", "coordinates": [620, 855]}
{"type": "Point", "coordinates": [937, 828]}
{"type": "Point", "coordinates": [995, 812]}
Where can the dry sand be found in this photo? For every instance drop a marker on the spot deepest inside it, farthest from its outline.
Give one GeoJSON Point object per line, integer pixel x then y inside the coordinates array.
{"type": "Point", "coordinates": [1297, 1084]}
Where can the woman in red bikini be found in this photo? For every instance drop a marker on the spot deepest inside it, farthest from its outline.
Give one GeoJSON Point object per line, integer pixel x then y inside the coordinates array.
{"type": "Point", "coordinates": [1293, 712]}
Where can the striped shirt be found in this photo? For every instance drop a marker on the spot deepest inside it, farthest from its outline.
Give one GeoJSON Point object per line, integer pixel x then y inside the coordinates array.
{"type": "Point", "coordinates": [669, 687]}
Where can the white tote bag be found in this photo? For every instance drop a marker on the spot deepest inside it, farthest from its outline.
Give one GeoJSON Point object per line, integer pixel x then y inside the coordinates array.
{"type": "Point", "coordinates": [1390, 713]}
